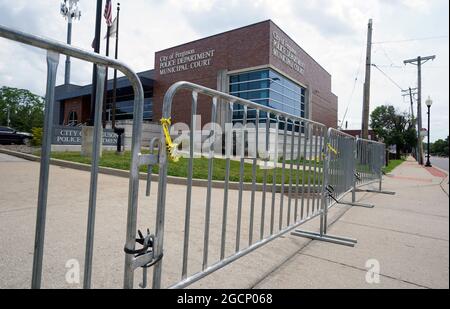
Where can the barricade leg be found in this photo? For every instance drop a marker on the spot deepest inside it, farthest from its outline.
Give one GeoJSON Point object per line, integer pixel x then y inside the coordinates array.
{"type": "Point", "coordinates": [52, 67]}
{"type": "Point", "coordinates": [101, 75]}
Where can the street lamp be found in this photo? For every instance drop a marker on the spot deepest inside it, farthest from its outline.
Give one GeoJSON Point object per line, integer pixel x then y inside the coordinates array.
{"type": "Point", "coordinates": [70, 11]}
{"type": "Point", "coordinates": [428, 102]}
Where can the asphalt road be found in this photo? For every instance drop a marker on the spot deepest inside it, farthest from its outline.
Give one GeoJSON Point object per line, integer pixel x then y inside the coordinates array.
{"type": "Point", "coordinates": [440, 162]}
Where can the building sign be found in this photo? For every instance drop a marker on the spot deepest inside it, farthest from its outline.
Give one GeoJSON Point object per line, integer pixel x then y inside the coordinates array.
{"type": "Point", "coordinates": [184, 61]}
{"type": "Point", "coordinates": [284, 51]}
{"type": "Point", "coordinates": [72, 136]}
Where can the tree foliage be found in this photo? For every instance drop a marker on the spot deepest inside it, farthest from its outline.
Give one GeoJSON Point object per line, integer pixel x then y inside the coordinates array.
{"type": "Point", "coordinates": [394, 128]}
{"type": "Point", "coordinates": [26, 110]}
{"type": "Point", "coordinates": [439, 147]}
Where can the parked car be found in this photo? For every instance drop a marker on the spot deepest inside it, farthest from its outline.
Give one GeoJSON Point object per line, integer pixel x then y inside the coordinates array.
{"type": "Point", "coordinates": [11, 136]}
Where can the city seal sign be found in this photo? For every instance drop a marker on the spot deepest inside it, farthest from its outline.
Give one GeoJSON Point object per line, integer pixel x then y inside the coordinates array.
{"type": "Point", "coordinates": [72, 136]}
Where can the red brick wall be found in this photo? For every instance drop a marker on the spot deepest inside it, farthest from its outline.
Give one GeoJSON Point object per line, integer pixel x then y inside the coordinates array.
{"type": "Point", "coordinates": [236, 50]}
{"type": "Point", "coordinates": [241, 48]}
{"type": "Point", "coordinates": [72, 105]}
{"type": "Point", "coordinates": [313, 76]}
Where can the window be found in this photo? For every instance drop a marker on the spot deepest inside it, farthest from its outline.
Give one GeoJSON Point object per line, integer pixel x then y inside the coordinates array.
{"type": "Point", "coordinates": [73, 119]}
{"type": "Point", "coordinates": [124, 110]}
{"type": "Point", "coordinates": [268, 88]}
{"type": "Point", "coordinates": [6, 129]}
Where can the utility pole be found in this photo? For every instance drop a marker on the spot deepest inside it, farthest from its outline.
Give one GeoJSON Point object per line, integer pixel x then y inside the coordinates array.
{"type": "Point", "coordinates": [411, 92]}
{"type": "Point", "coordinates": [419, 61]}
{"type": "Point", "coordinates": [366, 100]}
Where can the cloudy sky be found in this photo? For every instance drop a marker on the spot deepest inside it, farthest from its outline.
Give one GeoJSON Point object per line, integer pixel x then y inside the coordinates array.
{"type": "Point", "coordinates": [332, 31]}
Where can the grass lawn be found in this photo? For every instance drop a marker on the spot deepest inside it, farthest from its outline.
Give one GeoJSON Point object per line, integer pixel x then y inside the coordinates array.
{"type": "Point", "coordinates": [392, 165]}
{"type": "Point", "coordinates": [200, 168]}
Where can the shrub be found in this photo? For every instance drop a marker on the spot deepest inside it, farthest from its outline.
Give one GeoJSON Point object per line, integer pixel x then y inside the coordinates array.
{"type": "Point", "coordinates": [37, 136]}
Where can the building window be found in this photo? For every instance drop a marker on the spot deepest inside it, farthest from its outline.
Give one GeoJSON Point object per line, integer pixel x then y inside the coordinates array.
{"type": "Point", "coordinates": [268, 88]}
{"type": "Point", "coordinates": [124, 110]}
{"type": "Point", "coordinates": [73, 119]}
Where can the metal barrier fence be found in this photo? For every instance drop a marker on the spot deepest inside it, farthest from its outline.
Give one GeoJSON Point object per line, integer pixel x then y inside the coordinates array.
{"type": "Point", "coordinates": [54, 49]}
{"type": "Point", "coordinates": [370, 160]}
{"type": "Point", "coordinates": [319, 173]}
{"type": "Point", "coordinates": [350, 163]}
{"type": "Point", "coordinates": [289, 192]}
{"type": "Point", "coordinates": [291, 170]}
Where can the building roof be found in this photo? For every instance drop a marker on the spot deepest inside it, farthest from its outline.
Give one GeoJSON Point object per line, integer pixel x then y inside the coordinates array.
{"type": "Point", "coordinates": [64, 92]}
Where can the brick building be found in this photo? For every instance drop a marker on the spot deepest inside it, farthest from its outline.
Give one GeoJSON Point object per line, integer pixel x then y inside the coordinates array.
{"type": "Point", "coordinates": [258, 62]}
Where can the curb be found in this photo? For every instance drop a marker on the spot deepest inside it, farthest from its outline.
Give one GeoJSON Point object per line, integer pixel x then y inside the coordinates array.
{"type": "Point", "coordinates": [444, 181]}
{"type": "Point", "coordinates": [155, 178]}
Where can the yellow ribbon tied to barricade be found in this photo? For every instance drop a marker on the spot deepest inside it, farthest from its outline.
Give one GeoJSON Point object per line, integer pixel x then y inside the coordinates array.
{"type": "Point", "coordinates": [171, 147]}
{"type": "Point", "coordinates": [332, 149]}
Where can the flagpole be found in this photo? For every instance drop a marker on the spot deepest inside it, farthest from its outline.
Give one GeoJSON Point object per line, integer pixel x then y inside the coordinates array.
{"type": "Point", "coordinates": [96, 47]}
{"type": "Point", "coordinates": [105, 96]}
{"type": "Point", "coordinates": [115, 71]}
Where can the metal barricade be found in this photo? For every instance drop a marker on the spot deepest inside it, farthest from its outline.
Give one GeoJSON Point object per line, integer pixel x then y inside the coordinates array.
{"type": "Point", "coordinates": [370, 160]}
{"type": "Point", "coordinates": [350, 163]}
{"type": "Point", "coordinates": [297, 169]}
{"type": "Point", "coordinates": [338, 182]}
{"type": "Point", "coordinates": [54, 49]}
{"type": "Point", "coordinates": [289, 191]}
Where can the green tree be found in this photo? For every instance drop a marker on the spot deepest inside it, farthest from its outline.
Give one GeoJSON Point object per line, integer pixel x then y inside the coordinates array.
{"type": "Point", "coordinates": [439, 147]}
{"type": "Point", "coordinates": [26, 110]}
{"type": "Point", "coordinates": [394, 128]}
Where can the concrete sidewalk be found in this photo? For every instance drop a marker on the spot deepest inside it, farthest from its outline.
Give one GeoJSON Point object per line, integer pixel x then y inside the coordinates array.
{"type": "Point", "coordinates": [407, 234]}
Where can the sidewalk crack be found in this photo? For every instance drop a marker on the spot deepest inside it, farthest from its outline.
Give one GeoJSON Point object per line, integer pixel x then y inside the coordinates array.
{"type": "Point", "coordinates": [365, 270]}
{"type": "Point", "coordinates": [396, 231]}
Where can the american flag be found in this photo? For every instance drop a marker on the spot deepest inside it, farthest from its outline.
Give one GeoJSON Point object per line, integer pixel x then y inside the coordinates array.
{"type": "Point", "coordinates": [108, 13]}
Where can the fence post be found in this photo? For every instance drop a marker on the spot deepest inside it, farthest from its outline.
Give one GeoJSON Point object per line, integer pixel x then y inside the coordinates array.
{"type": "Point", "coordinates": [52, 68]}
{"type": "Point", "coordinates": [355, 171]}
{"type": "Point", "coordinates": [324, 214]}
{"type": "Point", "coordinates": [101, 75]}
{"type": "Point", "coordinates": [381, 162]}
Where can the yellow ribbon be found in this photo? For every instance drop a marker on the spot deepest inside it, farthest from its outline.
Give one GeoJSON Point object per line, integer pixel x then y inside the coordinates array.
{"type": "Point", "coordinates": [332, 149]}
{"type": "Point", "coordinates": [171, 147]}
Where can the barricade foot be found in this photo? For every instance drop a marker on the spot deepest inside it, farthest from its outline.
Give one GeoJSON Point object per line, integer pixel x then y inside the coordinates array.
{"type": "Point", "coordinates": [349, 242]}
{"type": "Point", "coordinates": [378, 191]}
{"type": "Point", "coordinates": [358, 204]}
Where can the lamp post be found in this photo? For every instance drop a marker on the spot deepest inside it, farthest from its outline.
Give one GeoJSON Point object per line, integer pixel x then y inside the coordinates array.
{"type": "Point", "coordinates": [428, 102]}
{"type": "Point", "coordinates": [70, 11]}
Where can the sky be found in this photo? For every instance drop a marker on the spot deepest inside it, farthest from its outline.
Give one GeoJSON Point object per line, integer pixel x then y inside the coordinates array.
{"type": "Point", "coordinates": [333, 32]}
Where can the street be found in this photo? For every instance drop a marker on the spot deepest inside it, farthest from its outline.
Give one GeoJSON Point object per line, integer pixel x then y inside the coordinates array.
{"type": "Point", "coordinates": [440, 162]}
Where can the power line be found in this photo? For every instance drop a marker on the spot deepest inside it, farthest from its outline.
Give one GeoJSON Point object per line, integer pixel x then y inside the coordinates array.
{"type": "Point", "coordinates": [386, 55]}
{"type": "Point", "coordinates": [415, 39]}
{"type": "Point", "coordinates": [388, 77]}
{"type": "Point", "coordinates": [390, 66]}
{"type": "Point", "coordinates": [354, 85]}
